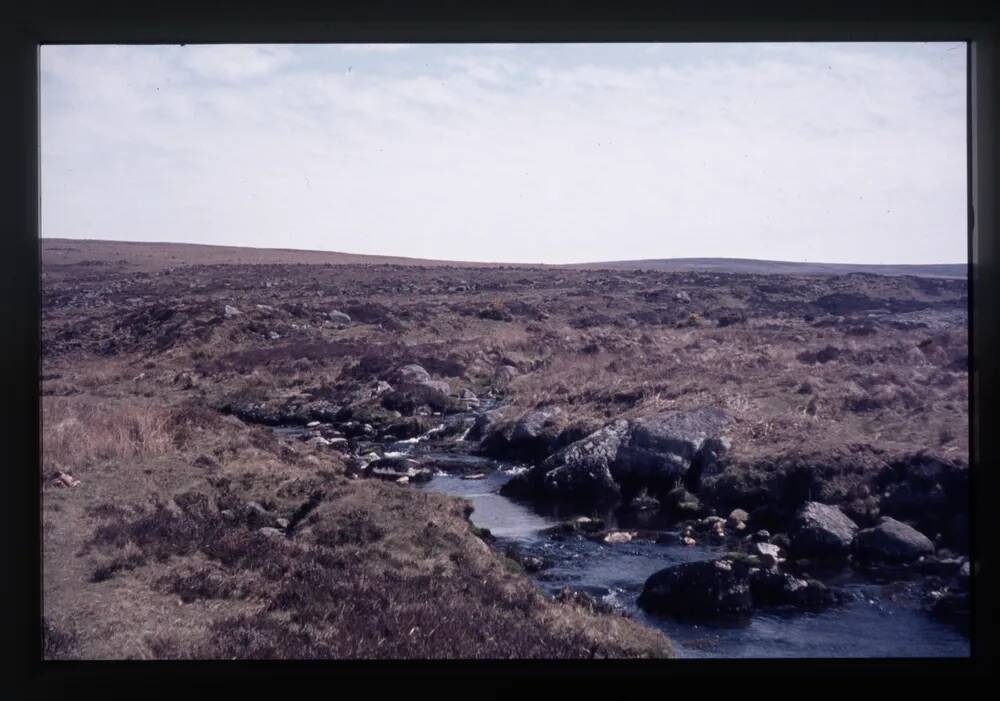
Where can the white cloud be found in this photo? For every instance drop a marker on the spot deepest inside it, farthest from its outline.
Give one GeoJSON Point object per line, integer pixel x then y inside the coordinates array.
{"type": "Point", "coordinates": [542, 153]}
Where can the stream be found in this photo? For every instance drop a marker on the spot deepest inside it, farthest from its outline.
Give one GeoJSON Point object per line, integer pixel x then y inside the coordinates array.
{"type": "Point", "coordinates": [882, 620]}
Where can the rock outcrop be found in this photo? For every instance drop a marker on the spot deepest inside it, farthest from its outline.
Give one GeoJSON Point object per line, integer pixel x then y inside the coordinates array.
{"type": "Point", "coordinates": [654, 453]}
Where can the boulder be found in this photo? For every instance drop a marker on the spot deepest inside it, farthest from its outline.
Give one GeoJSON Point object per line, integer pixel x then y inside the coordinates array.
{"type": "Point", "coordinates": [414, 374]}
{"type": "Point", "coordinates": [892, 541]}
{"type": "Point", "coordinates": [582, 470]}
{"type": "Point", "coordinates": [822, 530]}
{"type": "Point", "coordinates": [662, 449]}
{"type": "Point", "coordinates": [699, 590]}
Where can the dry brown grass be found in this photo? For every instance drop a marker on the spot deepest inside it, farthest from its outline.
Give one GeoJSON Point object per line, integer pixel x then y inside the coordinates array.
{"type": "Point", "coordinates": [78, 432]}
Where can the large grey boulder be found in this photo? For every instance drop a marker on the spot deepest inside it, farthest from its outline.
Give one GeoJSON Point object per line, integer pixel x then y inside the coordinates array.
{"type": "Point", "coordinates": [583, 469]}
{"type": "Point", "coordinates": [893, 541]}
{"type": "Point", "coordinates": [822, 530]}
{"type": "Point", "coordinates": [662, 448]}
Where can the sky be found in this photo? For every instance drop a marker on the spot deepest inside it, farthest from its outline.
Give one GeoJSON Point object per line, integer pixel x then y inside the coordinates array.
{"type": "Point", "coordinates": [514, 153]}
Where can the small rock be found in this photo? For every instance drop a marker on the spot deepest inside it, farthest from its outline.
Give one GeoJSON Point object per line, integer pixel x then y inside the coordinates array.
{"type": "Point", "coordinates": [281, 522]}
{"type": "Point", "coordinates": [687, 540]}
{"type": "Point", "coordinates": [232, 311]}
{"type": "Point", "coordinates": [618, 537]}
{"type": "Point", "coordinates": [274, 335]}
{"type": "Point", "coordinates": [768, 553]}
{"type": "Point", "coordinates": [66, 479]}
{"type": "Point", "coordinates": [312, 424]}
{"type": "Point", "coordinates": [476, 476]}
{"type": "Point", "coordinates": [339, 317]}
{"type": "Point", "coordinates": [737, 516]}
{"type": "Point", "coordinates": [271, 532]}
{"type": "Point", "coordinates": [403, 480]}
{"type": "Point", "coordinates": [761, 536]}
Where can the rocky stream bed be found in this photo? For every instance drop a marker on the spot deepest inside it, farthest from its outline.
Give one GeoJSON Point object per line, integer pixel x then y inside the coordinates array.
{"type": "Point", "coordinates": [719, 584]}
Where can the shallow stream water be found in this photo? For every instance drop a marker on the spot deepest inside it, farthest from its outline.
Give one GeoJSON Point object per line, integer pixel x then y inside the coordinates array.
{"type": "Point", "coordinates": [874, 625]}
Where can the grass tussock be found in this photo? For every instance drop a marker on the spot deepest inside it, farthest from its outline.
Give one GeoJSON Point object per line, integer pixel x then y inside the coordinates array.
{"type": "Point", "coordinates": [80, 433]}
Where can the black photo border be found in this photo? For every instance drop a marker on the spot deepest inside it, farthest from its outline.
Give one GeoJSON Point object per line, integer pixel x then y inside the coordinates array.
{"type": "Point", "coordinates": [428, 21]}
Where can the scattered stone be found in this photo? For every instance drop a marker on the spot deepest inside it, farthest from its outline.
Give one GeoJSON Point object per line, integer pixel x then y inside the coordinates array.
{"type": "Point", "coordinates": [475, 476]}
{"type": "Point", "coordinates": [339, 317]}
{"type": "Point", "coordinates": [271, 532]}
{"type": "Point", "coordinates": [281, 522]}
{"type": "Point", "coordinates": [687, 540]}
{"type": "Point", "coordinates": [231, 311]}
{"type": "Point", "coordinates": [403, 480]}
{"type": "Point", "coordinates": [312, 424]}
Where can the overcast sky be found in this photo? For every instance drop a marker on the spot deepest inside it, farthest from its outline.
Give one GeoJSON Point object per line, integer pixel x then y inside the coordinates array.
{"type": "Point", "coordinates": [849, 153]}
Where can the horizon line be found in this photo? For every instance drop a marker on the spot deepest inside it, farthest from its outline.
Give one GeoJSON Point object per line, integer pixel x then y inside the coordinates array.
{"type": "Point", "coordinates": [486, 262]}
